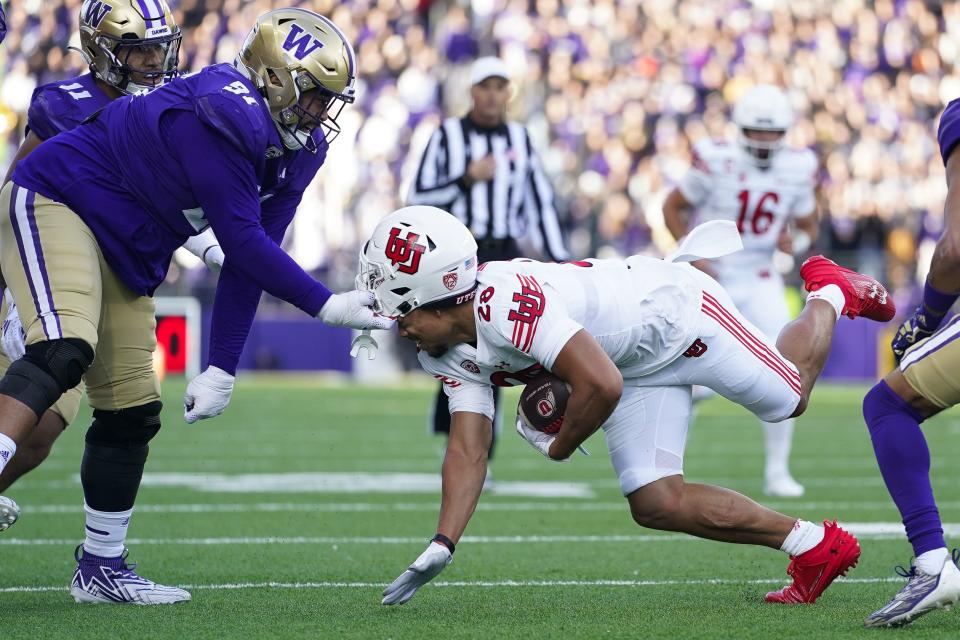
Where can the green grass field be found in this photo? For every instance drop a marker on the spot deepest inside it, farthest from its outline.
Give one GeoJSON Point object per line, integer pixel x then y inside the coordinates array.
{"type": "Point", "coordinates": [246, 510]}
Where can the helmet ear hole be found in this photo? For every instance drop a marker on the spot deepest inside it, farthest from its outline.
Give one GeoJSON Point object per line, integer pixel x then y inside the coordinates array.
{"type": "Point", "coordinates": [274, 79]}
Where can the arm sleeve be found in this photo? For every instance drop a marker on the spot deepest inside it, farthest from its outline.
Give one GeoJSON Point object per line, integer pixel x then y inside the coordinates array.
{"type": "Point", "coordinates": [543, 221]}
{"type": "Point", "coordinates": [224, 185]}
{"type": "Point", "coordinates": [470, 396]}
{"type": "Point", "coordinates": [432, 186]}
{"type": "Point", "coordinates": [237, 298]}
{"type": "Point", "coordinates": [42, 118]}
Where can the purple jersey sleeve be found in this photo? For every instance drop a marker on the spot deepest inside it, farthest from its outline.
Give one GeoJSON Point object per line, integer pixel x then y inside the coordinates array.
{"type": "Point", "coordinates": [228, 111]}
{"type": "Point", "coordinates": [948, 134]}
{"type": "Point", "coordinates": [237, 297]}
{"type": "Point", "coordinates": [227, 192]}
{"type": "Point", "coordinates": [62, 106]}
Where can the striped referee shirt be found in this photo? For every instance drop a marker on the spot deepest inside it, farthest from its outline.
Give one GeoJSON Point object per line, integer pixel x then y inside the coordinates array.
{"type": "Point", "coordinates": [516, 202]}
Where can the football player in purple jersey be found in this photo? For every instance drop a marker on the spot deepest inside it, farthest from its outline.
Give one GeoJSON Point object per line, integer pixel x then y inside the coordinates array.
{"type": "Point", "coordinates": [95, 215]}
{"type": "Point", "coordinates": [130, 46]}
{"type": "Point", "coordinates": [925, 383]}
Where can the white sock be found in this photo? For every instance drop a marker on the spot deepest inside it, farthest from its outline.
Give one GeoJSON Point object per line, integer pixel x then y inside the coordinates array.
{"type": "Point", "coordinates": [931, 562]}
{"type": "Point", "coordinates": [106, 532]}
{"type": "Point", "coordinates": [778, 437]}
{"type": "Point", "coordinates": [7, 448]}
{"type": "Point", "coordinates": [830, 293]}
{"type": "Point", "coordinates": [803, 537]}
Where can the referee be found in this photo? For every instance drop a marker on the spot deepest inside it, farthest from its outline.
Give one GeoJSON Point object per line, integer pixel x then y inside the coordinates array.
{"type": "Point", "coordinates": [485, 171]}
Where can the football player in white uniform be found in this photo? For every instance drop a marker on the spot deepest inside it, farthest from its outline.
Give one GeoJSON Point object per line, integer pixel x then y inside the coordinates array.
{"type": "Point", "coordinates": [630, 337]}
{"type": "Point", "coordinates": [768, 190]}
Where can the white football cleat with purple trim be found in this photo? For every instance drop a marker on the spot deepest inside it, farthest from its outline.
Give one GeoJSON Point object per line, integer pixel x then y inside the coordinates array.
{"type": "Point", "coordinates": [113, 581]}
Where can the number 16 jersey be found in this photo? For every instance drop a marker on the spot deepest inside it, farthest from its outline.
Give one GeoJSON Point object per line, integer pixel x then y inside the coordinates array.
{"type": "Point", "coordinates": [723, 184]}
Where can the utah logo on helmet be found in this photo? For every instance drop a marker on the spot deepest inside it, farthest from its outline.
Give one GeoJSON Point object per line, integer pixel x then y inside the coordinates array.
{"type": "Point", "coordinates": [418, 256]}
{"type": "Point", "coordinates": [111, 31]}
{"type": "Point", "coordinates": [296, 57]}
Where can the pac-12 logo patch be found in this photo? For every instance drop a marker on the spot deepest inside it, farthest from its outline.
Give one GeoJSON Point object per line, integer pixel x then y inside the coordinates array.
{"type": "Point", "coordinates": [450, 280]}
{"type": "Point", "coordinates": [471, 366]}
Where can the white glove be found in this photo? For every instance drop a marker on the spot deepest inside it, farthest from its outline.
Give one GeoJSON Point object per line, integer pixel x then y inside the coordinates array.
{"type": "Point", "coordinates": [424, 569]}
{"type": "Point", "coordinates": [14, 338]}
{"type": "Point", "coordinates": [353, 309]}
{"type": "Point", "coordinates": [207, 395]}
{"type": "Point", "coordinates": [206, 247]}
{"type": "Point", "coordinates": [213, 257]}
{"type": "Point", "coordinates": [538, 439]}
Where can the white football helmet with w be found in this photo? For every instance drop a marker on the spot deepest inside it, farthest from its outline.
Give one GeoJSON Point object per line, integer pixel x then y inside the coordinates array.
{"type": "Point", "coordinates": [762, 108]}
{"type": "Point", "coordinates": [418, 256]}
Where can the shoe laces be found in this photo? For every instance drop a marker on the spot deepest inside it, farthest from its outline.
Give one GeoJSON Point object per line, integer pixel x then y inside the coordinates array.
{"type": "Point", "coordinates": [904, 572]}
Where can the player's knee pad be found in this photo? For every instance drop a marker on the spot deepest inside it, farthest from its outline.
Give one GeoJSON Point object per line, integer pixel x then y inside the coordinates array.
{"type": "Point", "coordinates": [130, 429]}
{"type": "Point", "coordinates": [46, 371]}
{"type": "Point", "coordinates": [116, 452]}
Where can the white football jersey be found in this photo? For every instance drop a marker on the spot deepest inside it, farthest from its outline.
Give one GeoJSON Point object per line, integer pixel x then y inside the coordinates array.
{"type": "Point", "coordinates": [642, 311]}
{"type": "Point", "coordinates": [724, 185]}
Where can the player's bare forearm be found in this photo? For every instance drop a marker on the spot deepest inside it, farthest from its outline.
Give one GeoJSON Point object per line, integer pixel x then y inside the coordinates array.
{"type": "Point", "coordinates": [676, 214]}
{"type": "Point", "coordinates": [596, 388]}
{"type": "Point", "coordinates": [810, 225]}
{"type": "Point", "coordinates": [586, 412]}
{"type": "Point", "coordinates": [945, 266]}
{"type": "Point", "coordinates": [464, 470]}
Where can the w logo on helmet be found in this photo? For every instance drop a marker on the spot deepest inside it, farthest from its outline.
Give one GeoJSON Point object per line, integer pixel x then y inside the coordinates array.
{"type": "Point", "coordinates": [300, 43]}
{"type": "Point", "coordinates": [94, 11]}
{"type": "Point", "coordinates": [404, 251]}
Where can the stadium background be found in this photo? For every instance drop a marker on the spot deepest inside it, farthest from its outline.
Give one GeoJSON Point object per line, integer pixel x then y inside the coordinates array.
{"type": "Point", "coordinates": [614, 91]}
{"type": "Point", "coordinates": [288, 515]}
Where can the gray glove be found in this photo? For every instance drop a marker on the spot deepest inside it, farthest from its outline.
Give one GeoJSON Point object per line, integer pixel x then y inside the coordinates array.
{"type": "Point", "coordinates": [424, 569]}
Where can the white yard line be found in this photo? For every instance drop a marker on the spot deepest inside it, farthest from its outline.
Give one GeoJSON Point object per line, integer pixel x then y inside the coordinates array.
{"type": "Point", "coordinates": [828, 507]}
{"type": "Point", "coordinates": [873, 530]}
{"type": "Point", "coordinates": [474, 583]}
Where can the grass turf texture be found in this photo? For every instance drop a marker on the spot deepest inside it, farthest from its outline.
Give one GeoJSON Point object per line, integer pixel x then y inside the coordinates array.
{"type": "Point", "coordinates": [291, 425]}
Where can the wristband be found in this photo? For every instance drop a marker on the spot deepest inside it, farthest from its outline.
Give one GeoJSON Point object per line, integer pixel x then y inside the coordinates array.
{"type": "Point", "coordinates": [937, 302]}
{"type": "Point", "coordinates": [445, 541]}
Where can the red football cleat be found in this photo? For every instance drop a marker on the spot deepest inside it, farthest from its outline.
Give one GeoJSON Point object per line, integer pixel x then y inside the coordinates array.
{"type": "Point", "coordinates": [814, 570]}
{"type": "Point", "coordinates": [863, 295]}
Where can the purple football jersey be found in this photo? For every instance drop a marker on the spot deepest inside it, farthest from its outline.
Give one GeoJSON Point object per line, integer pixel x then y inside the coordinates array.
{"type": "Point", "coordinates": [152, 169]}
{"type": "Point", "coordinates": [61, 106]}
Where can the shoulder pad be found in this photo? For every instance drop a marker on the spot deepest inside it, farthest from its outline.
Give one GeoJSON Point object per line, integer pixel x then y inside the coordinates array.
{"type": "Point", "coordinates": [709, 153]}
{"type": "Point", "coordinates": [798, 165]}
{"type": "Point", "coordinates": [948, 133]}
{"type": "Point", "coordinates": [52, 111]}
{"type": "Point", "coordinates": [229, 104]}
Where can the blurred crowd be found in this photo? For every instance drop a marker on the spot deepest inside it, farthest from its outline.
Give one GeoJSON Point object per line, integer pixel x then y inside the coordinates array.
{"type": "Point", "coordinates": [614, 92]}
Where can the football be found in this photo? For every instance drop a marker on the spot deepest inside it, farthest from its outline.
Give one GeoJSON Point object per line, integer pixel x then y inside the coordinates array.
{"type": "Point", "coordinates": [544, 401]}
